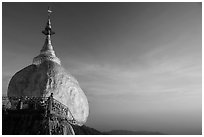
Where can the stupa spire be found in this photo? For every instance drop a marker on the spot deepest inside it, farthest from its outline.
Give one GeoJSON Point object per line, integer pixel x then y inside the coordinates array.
{"type": "Point", "coordinates": [48, 29]}
{"type": "Point", "coordinates": [48, 32]}
{"type": "Point", "coordinates": [47, 52]}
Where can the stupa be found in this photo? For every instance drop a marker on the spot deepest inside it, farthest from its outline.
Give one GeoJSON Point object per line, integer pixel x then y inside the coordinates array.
{"type": "Point", "coordinates": [47, 78]}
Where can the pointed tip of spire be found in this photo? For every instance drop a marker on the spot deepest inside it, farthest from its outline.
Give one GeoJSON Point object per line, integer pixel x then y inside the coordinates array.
{"type": "Point", "coordinates": [47, 52]}
{"type": "Point", "coordinates": [48, 32]}
{"type": "Point", "coordinates": [48, 28]}
{"type": "Point", "coordinates": [49, 10]}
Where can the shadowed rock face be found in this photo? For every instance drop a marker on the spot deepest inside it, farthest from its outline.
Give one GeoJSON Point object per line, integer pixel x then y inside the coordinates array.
{"type": "Point", "coordinates": [33, 122]}
{"type": "Point", "coordinates": [50, 77]}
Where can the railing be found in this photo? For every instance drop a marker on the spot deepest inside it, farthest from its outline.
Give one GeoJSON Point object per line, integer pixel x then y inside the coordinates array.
{"type": "Point", "coordinates": [61, 109]}
{"type": "Point", "coordinates": [50, 104]}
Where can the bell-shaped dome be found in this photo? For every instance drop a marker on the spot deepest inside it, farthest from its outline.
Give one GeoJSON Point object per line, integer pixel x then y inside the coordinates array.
{"type": "Point", "coordinates": [46, 76]}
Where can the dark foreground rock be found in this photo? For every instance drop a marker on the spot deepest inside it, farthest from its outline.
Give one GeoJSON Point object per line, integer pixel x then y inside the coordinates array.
{"type": "Point", "coordinates": [33, 122]}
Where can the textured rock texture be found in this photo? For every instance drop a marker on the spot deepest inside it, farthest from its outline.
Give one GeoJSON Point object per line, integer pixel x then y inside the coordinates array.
{"type": "Point", "coordinates": [50, 77]}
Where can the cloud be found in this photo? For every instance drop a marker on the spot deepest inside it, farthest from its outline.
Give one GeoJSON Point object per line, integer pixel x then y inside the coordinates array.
{"type": "Point", "coordinates": [165, 75]}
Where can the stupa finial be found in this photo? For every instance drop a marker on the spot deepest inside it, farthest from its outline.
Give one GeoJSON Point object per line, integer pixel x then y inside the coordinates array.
{"type": "Point", "coordinates": [48, 29]}
{"type": "Point", "coordinates": [47, 52]}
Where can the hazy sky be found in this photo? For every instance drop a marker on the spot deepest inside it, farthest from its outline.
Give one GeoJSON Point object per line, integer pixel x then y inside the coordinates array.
{"type": "Point", "coordinates": [138, 63]}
